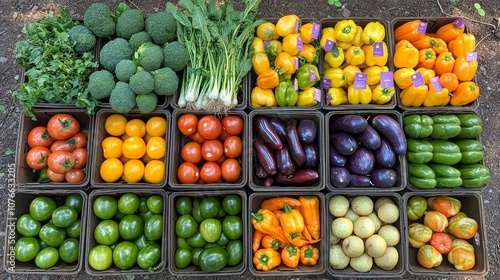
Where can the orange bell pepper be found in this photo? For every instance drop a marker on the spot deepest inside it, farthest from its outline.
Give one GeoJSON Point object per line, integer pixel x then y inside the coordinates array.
{"type": "Point", "coordinates": [413, 96]}
{"type": "Point", "coordinates": [308, 32]}
{"type": "Point", "coordinates": [402, 77]}
{"type": "Point", "coordinates": [449, 81]}
{"type": "Point", "coordinates": [427, 74]}
{"type": "Point", "coordinates": [309, 207]}
{"type": "Point", "coordinates": [463, 44]}
{"type": "Point", "coordinates": [292, 222]}
{"type": "Point", "coordinates": [290, 256]}
{"type": "Point", "coordinates": [266, 259]}
{"type": "Point", "coordinates": [423, 43]}
{"type": "Point", "coordinates": [426, 58]}
{"type": "Point", "coordinates": [465, 70]}
{"type": "Point", "coordinates": [439, 45]}
{"type": "Point", "coordinates": [451, 30]}
{"type": "Point", "coordinates": [435, 97]}
{"type": "Point", "coordinates": [465, 93]}
{"type": "Point", "coordinates": [285, 64]}
{"type": "Point", "coordinates": [309, 255]}
{"type": "Point", "coordinates": [268, 79]}
{"type": "Point", "coordinates": [269, 241]}
{"type": "Point", "coordinates": [444, 63]}
{"type": "Point", "coordinates": [405, 55]}
{"type": "Point", "coordinates": [408, 31]}
{"type": "Point", "coordinates": [266, 222]}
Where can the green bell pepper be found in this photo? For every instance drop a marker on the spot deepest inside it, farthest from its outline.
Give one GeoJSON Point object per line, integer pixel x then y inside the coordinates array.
{"type": "Point", "coordinates": [474, 175]}
{"type": "Point", "coordinates": [307, 76]}
{"type": "Point", "coordinates": [417, 126]}
{"type": "Point", "coordinates": [472, 126]}
{"type": "Point", "coordinates": [419, 150]}
{"type": "Point", "coordinates": [421, 176]}
{"type": "Point", "coordinates": [285, 94]}
{"type": "Point", "coordinates": [416, 207]}
{"type": "Point", "coordinates": [445, 152]}
{"type": "Point", "coordinates": [472, 150]}
{"type": "Point", "coordinates": [445, 126]}
{"type": "Point", "coordinates": [446, 176]}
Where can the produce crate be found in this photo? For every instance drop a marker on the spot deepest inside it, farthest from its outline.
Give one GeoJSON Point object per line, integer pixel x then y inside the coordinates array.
{"type": "Point", "coordinates": [19, 205]}
{"type": "Point", "coordinates": [25, 177]}
{"type": "Point", "coordinates": [478, 138]}
{"type": "Point", "coordinates": [251, 79]}
{"type": "Point", "coordinates": [179, 140]}
{"type": "Point", "coordinates": [255, 201]}
{"type": "Point", "coordinates": [399, 167]}
{"type": "Point", "coordinates": [258, 184]}
{"type": "Point", "coordinates": [193, 270]}
{"type": "Point", "coordinates": [433, 24]}
{"type": "Point", "coordinates": [93, 221]}
{"type": "Point", "coordinates": [472, 206]}
{"type": "Point", "coordinates": [330, 22]}
{"type": "Point", "coordinates": [376, 272]}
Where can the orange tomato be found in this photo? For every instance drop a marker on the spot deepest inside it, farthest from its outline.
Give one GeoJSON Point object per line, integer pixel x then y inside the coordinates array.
{"type": "Point", "coordinates": [154, 172]}
{"type": "Point", "coordinates": [135, 127]}
{"type": "Point", "coordinates": [111, 170]}
{"type": "Point", "coordinates": [156, 147]}
{"type": "Point", "coordinates": [134, 147]}
{"type": "Point", "coordinates": [115, 124]}
{"type": "Point", "coordinates": [133, 171]}
{"type": "Point", "coordinates": [112, 147]}
{"type": "Point", "coordinates": [156, 126]}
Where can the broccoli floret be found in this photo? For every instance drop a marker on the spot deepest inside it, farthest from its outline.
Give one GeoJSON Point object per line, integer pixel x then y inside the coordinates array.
{"type": "Point", "coordinates": [146, 102]}
{"type": "Point", "coordinates": [129, 23]}
{"type": "Point", "coordinates": [98, 18]}
{"type": "Point", "coordinates": [166, 81]}
{"type": "Point", "coordinates": [125, 69]}
{"type": "Point", "coordinates": [162, 27]}
{"type": "Point", "coordinates": [113, 52]}
{"type": "Point", "coordinates": [82, 38]}
{"type": "Point", "coordinates": [138, 39]}
{"type": "Point", "coordinates": [149, 56]}
{"type": "Point", "coordinates": [175, 56]}
{"type": "Point", "coordinates": [101, 83]}
{"type": "Point", "coordinates": [122, 98]}
{"type": "Point", "coordinates": [142, 83]}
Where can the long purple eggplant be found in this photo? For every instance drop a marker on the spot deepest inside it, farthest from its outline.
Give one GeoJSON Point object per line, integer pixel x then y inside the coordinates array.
{"type": "Point", "coordinates": [267, 133]}
{"type": "Point", "coordinates": [292, 135]}
{"type": "Point", "coordinates": [300, 177]}
{"type": "Point", "coordinates": [264, 156]}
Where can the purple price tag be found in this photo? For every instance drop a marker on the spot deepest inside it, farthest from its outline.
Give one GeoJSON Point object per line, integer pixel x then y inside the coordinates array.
{"type": "Point", "coordinates": [471, 56]}
{"type": "Point", "coordinates": [460, 23]}
{"type": "Point", "coordinates": [328, 98]}
{"type": "Point", "coordinates": [386, 79]}
{"type": "Point", "coordinates": [378, 49]}
{"type": "Point", "coordinates": [266, 43]}
{"type": "Point", "coordinates": [417, 79]}
{"type": "Point", "coordinates": [300, 44]}
{"type": "Point", "coordinates": [315, 30]}
{"type": "Point", "coordinates": [312, 75]}
{"type": "Point", "coordinates": [297, 25]}
{"type": "Point", "coordinates": [422, 27]}
{"type": "Point", "coordinates": [329, 45]}
{"type": "Point", "coordinates": [295, 84]}
{"type": "Point", "coordinates": [437, 85]}
{"type": "Point", "coordinates": [360, 80]}
{"type": "Point", "coordinates": [326, 83]}
{"type": "Point", "coordinates": [317, 94]}
{"type": "Point", "coordinates": [296, 63]}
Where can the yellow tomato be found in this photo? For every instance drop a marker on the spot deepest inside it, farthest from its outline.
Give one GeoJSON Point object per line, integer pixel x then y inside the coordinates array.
{"type": "Point", "coordinates": [134, 147]}
{"type": "Point", "coordinates": [112, 147]}
{"type": "Point", "coordinates": [156, 147]}
{"type": "Point", "coordinates": [135, 127]}
{"type": "Point", "coordinates": [124, 137]}
{"type": "Point", "coordinates": [154, 172]}
{"type": "Point", "coordinates": [124, 159]}
{"type": "Point", "coordinates": [115, 124]}
{"type": "Point", "coordinates": [111, 170]}
{"type": "Point", "coordinates": [146, 138]}
{"type": "Point", "coordinates": [145, 158]}
{"type": "Point", "coordinates": [133, 171]}
{"type": "Point", "coordinates": [156, 126]}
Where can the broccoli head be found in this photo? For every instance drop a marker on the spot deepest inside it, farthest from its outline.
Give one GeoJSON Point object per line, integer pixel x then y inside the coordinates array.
{"type": "Point", "coordinates": [113, 52]}
{"type": "Point", "coordinates": [142, 83]}
{"type": "Point", "coordinates": [149, 56]}
{"type": "Point", "coordinates": [162, 27]}
{"type": "Point", "coordinates": [129, 22]}
{"type": "Point", "coordinates": [101, 83]}
{"type": "Point", "coordinates": [98, 18]}
{"type": "Point", "coordinates": [146, 102]}
{"type": "Point", "coordinates": [175, 56]}
{"type": "Point", "coordinates": [122, 98]}
{"type": "Point", "coordinates": [166, 81]}
{"type": "Point", "coordinates": [125, 69]}
{"type": "Point", "coordinates": [139, 38]}
{"type": "Point", "coordinates": [82, 38]}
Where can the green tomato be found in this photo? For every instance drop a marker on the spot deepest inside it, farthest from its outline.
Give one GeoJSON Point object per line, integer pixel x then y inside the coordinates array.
{"type": "Point", "coordinates": [195, 256]}
{"type": "Point", "coordinates": [186, 226]}
{"type": "Point", "coordinates": [196, 210]}
{"type": "Point", "coordinates": [74, 201]}
{"type": "Point", "coordinates": [131, 227]}
{"type": "Point", "coordinates": [27, 226]}
{"type": "Point", "coordinates": [182, 258]}
{"type": "Point", "coordinates": [52, 235]}
{"type": "Point", "coordinates": [47, 258]}
{"type": "Point", "coordinates": [196, 240]}
{"type": "Point", "coordinates": [69, 250]}
{"type": "Point", "coordinates": [26, 249]}
{"type": "Point", "coordinates": [183, 205]}
{"type": "Point", "coordinates": [41, 208]}
{"type": "Point", "coordinates": [64, 216]}
{"type": "Point", "coordinates": [213, 259]}
{"type": "Point", "coordinates": [210, 207]}
{"type": "Point", "coordinates": [211, 229]}
{"type": "Point", "coordinates": [125, 255]}
{"type": "Point", "coordinates": [232, 226]}
{"type": "Point", "coordinates": [149, 256]}
{"type": "Point", "coordinates": [223, 240]}
{"type": "Point", "coordinates": [153, 228]}
{"type": "Point", "coordinates": [234, 252]}
{"type": "Point", "coordinates": [231, 203]}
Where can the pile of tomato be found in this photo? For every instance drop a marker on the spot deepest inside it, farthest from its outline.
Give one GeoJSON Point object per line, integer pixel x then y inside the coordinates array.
{"type": "Point", "coordinates": [213, 154]}
{"type": "Point", "coordinates": [134, 150]}
{"type": "Point", "coordinates": [58, 150]}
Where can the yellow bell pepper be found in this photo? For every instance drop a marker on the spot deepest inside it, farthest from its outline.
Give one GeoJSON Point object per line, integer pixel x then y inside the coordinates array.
{"type": "Point", "coordinates": [463, 44]}
{"type": "Point", "coordinates": [287, 25]}
{"type": "Point", "coordinates": [355, 56]}
{"type": "Point", "coordinates": [337, 96]}
{"type": "Point", "coordinates": [309, 32]}
{"type": "Point", "coordinates": [309, 53]}
{"type": "Point", "coordinates": [357, 96]}
{"type": "Point", "coordinates": [405, 55]}
{"type": "Point", "coordinates": [427, 74]}
{"type": "Point", "coordinates": [260, 62]}
{"type": "Point", "coordinates": [290, 43]}
{"type": "Point", "coordinates": [373, 32]}
{"type": "Point", "coordinates": [335, 58]}
{"type": "Point", "coordinates": [274, 48]}
{"type": "Point", "coordinates": [435, 97]}
{"type": "Point", "coordinates": [350, 71]}
{"type": "Point", "coordinates": [285, 64]}
{"type": "Point", "coordinates": [267, 31]}
{"type": "Point", "coordinates": [402, 77]}
{"type": "Point", "coordinates": [327, 35]}
{"type": "Point", "coordinates": [262, 98]}
{"type": "Point", "coordinates": [357, 41]}
{"type": "Point", "coordinates": [373, 74]}
{"type": "Point", "coordinates": [383, 95]}
{"type": "Point", "coordinates": [345, 30]}
{"type": "Point", "coordinates": [343, 45]}
{"type": "Point", "coordinates": [258, 45]}
{"type": "Point", "coordinates": [308, 97]}
{"type": "Point", "coordinates": [336, 76]}
{"type": "Point", "coordinates": [413, 96]}
{"type": "Point", "coordinates": [376, 56]}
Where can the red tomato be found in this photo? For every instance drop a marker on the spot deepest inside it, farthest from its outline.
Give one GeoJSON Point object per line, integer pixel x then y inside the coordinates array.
{"type": "Point", "coordinates": [81, 157]}
{"type": "Point", "coordinates": [62, 145]}
{"type": "Point", "coordinates": [233, 125]}
{"type": "Point", "coordinates": [210, 172]}
{"type": "Point", "coordinates": [441, 242]}
{"type": "Point", "coordinates": [196, 137]}
{"type": "Point", "coordinates": [212, 150]}
{"type": "Point", "coordinates": [39, 136]}
{"type": "Point", "coordinates": [191, 152]}
{"type": "Point", "coordinates": [61, 161]}
{"type": "Point", "coordinates": [74, 176]}
{"type": "Point", "coordinates": [188, 124]}
{"type": "Point", "coordinates": [233, 146]}
{"type": "Point", "coordinates": [36, 157]}
{"type": "Point", "coordinates": [223, 136]}
{"type": "Point", "coordinates": [62, 126]}
{"type": "Point", "coordinates": [55, 177]}
{"type": "Point", "coordinates": [78, 140]}
{"type": "Point", "coordinates": [231, 170]}
{"type": "Point", "coordinates": [221, 159]}
{"type": "Point", "coordinates": [188, 173]}
{"type": "Point", "coordinates": [209, 127]}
